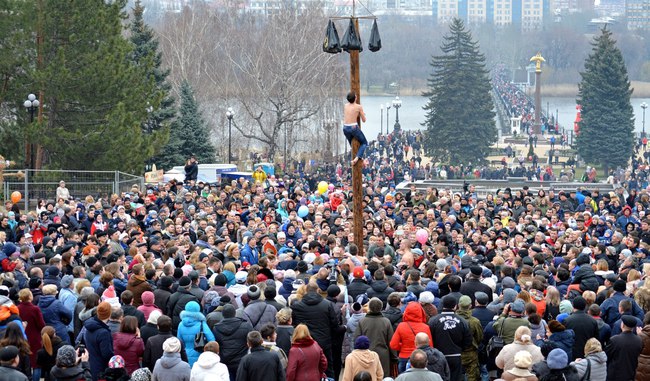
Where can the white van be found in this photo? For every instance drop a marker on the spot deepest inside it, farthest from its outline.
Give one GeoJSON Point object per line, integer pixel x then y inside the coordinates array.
{"type": "Point", "coordinates": [209, 173]}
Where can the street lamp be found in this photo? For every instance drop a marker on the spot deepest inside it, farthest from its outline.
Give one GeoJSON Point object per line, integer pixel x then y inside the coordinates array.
{"type": "Point", "coordinates": [381, 128]}
{"type": "Point", "coordinates": [230, 114]}
{"type": "Point", "coordinates": [397, 103]}
{"type": "Point", "coordinates": [643, 106]}
{"type": "Point", "coordinates": [387, 116]}
{"type": "Point", "coordinates": [31, 104]}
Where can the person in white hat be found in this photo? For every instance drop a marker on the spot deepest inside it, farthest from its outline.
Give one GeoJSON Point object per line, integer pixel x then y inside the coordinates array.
{"type": "Point", "coordinates": [170, 367]}
{"type": "Point", "coordinates": [523, 362]}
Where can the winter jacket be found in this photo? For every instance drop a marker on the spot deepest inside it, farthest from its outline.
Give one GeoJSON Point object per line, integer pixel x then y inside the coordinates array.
{"type": "Point", "coordinates": [283, 340]}
{"type": "Point", "coordinates": [231, 334]}
{"type": "Point", "coordinates": [258, 313]}
{"type": "Point", "coordinates": [208, 367]}
{"type": "Point", "coordinates": [437, 362]}
{"type": "Point", "coordinates": [357, 287]}
{"type": "Point", "coordinates": [379, 289]}
{"type": "Point", "coordinates": [249, 254]}
{"type": "Point", "coordinates": [563, 340]}
{"type": "Point", "coordinates": [260, 365]}
{"type": "Point", "coordinates": [69, 300]}
{"type": "Point", "coordinates": [506, 358]}
{"type": "Point", "coordinates": [45, 361]}
{"type": "Point", "coordinates": [129, 310]}
{"type": "Point", "coordinates": [148, 306]}
{"type": "Point", "coordinates": [130, 347]}
{"type": "Point", "coordinates": [32, 315]}
{"type": "Point", "coordinates": [623, 356]}
{"type": "Point", "coordinates": [394, 315]}
{"type": "Point", "coordinates": [363, 359]}
{"type": "Point", "coordinates": [609, 309]}
{"type": "Point", "coordinates": [9, 373]}
{"type": "Point", "coordinates": [287, 287]}
{"type": "Point", "coordinates": [643, 368]}
{"type": "Point", "coordinates": [510, 325]}
{"type": "Point", "coordinates": [379, 331]}
{"type": "Point", "coordinates": [413, 322]}
{"type": "Point", "coordinates": [472, 286]}
{"type": "Point", "coordinates": [319, 316]}
{"type": "Point", "coordinates": [349, 336]}
{"type": "Point", "coordinates": [413, 374]}
{"type": "Point", "coordinates": [137, 285]}
{"type": "Point", "coordinates": [586, 278]}
{"type": "Point", "coordinates": [177, 303]}
{"type": "Point", "coordinates": [585, 327]}
{"type": "Point", "coordinates": [598, 366]}
{"type": "Point", "coordinates": [306, 361]}
{"type": "Point", "coordinates": [161, 298]}
{"type": "Point", "coordinates": [193, 322]}
{"type": "Point", "coordinates": [99, 344]}
{"type": "Point", "coordinates": [170, 367]}
{"type": "Point", "coordinates": [76, 373]}
{"type": "Point", "coordinates": [153, 350]}
{"type": "Point", "coordinates": [451, 333]}
{"type": "Point", "coordinates": [54, 314]}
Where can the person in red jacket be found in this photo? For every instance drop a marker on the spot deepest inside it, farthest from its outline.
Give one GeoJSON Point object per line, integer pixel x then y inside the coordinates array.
{"type": "Point", "coordinates": [307, 360]}
{"type": "Point", "coordinates": [33, 316]}
{"type": "Point", "coordinates": [414, 321]}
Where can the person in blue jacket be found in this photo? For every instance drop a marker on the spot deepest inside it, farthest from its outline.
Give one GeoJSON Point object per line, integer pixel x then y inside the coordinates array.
{"type": "Point", "coordinates": [249, 252]}
{"type": "Point", "coordinates": [193, 322]}
{"type": "Point", "coordinates": [99, 340]}
{"type": "Point", "coordinates": [55, 314]}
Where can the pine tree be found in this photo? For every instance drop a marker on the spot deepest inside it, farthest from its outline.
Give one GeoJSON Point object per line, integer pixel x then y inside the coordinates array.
{"type": "Point", "coordinates": [146, 53]}
{"type": "Point", "coordinates": [460, 121]}
{"type": "Point", "coordinates": [607, 126]}
{"type": "Point", "coordinates": [189, 134]}
{"type": "Point", "coordinates": [96, 98]}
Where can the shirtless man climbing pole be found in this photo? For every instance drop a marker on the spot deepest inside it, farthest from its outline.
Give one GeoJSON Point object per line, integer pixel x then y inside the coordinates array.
{"type": "Point", "coordinates": [351, 112]}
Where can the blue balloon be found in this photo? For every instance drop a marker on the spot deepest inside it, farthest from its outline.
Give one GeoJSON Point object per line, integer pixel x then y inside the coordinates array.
{"type": "Point", "coordinates": [303, 211]}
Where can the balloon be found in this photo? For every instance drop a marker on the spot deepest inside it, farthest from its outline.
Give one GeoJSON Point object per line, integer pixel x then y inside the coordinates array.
{"type": "Point", "coordinates": [422, 236]}
{"type": "Point", "coordinates": [322, 187]}
{"type": "Point", "coordinates": [331, 187]}
{"type": "Point", "coordinates": [303, 211]}
{"type": "Point", "coordinates": [16, 197]}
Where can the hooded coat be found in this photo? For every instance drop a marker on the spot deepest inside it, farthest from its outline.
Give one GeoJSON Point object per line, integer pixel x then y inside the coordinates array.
{"type": "Point", "coordinates": [259, 313]}
{"type": "Point", "coordinates": [598, 366]}
{"type": "Point", "coordinates": [170, 367]}
{"type": "Point", "coordinates": [231, 336]}
{"type": "Point", "coordinates": [130, 347]}
{"type": "Point", "coordinates": [379, 289]}
{"type": "Point", "coordinates": [193, 322]}
{"type": "Point", "coordinates": [32, 315]}
{"type": "Point", "coordinates": [319, 316]}
{"type": "Point", "coordinates": [363, 359]}
{"type": "Point", "coordinates": [148, 305]}
{"type": "Point", "coordinates": [75, 373]}
{"type": "Point", "coordinates": [209, 367]}
{"type": "Point", "coordinates": [54, 314]}
{"type": "Point", "coordinates": [643, 368]}
{"type": "Point", "coordinates": [413, 322]}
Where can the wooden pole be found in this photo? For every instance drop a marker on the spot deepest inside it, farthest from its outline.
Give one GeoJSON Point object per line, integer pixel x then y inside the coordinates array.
{"type": "Point", "coordinates": [357, 188]}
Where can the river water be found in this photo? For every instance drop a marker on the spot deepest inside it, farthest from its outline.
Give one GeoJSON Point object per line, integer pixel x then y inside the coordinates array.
{"type": "Point", "coordinates": [412, 115]}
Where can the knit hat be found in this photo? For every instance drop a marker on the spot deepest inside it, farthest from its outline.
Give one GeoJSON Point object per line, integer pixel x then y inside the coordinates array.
{"type": "Point", "coordinates": [66, 281]}
{"type": "Point", "coordinates": [433, 287]}
{"type": "Point", "coordinates": [557, 359]}
{"type": "Point", "coordinates": [358, 272]}
{"type": "Point", "coordinates": [333, 291]}
{"type": "Point", "coordinates": [142, 374]}
{"type": "Point", "coordinates": [566, 307]}
{"type": "Point", "coordinates": [172, 345]}
{"type": "Point", "coordinates": [476, 270]}
{"type": "Point", "coordinates": [620, 285]}
{"type": "Point", "coordinates": [147, 298]}
{"type": "Point", "coordinates": [362, 342]}
{"type": "Point", "coordinates": [427, 297]}
{"type": "Point", "coordinates": [153, 316]}
{"type": "Point", "coordinates": [86, 292]}
{"type": "Point", "coordinates": [220, 280]}
{"type": "Point", "coordinates": [254, 292]}
{"type": "Point", "coordinates": [184, 281]}
{"type": "Point", "coordinates": [66, 356]}
{"type": "Point", "coordinates": [117, 361]}
{"type": "Point", "coordinates": [109, 293]}
{"type": "Point", "coordinates": [523, 361]}
{"type": "Point", "coordinates": [562, 317]}
{"type": "Point", "coordinates": [103, 311]}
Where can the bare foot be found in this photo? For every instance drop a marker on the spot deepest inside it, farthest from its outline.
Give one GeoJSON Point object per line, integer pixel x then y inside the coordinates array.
{"type": "Point", "coordinates": [354, 161]}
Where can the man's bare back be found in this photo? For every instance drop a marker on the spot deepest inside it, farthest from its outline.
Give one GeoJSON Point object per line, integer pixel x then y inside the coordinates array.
{"type": "Point", "coordinates": [351, 111]}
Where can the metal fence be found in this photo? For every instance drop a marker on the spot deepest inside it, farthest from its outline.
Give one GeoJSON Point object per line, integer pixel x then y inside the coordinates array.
{"type": "Point", "coordinates": [41, 184]}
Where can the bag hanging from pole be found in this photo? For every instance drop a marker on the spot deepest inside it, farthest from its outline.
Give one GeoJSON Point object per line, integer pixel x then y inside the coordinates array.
{"type": "Point", "coordinates": [331, 44]}
{"type": "Point", "coordinates": [375, 39]}
{"type": "Point", "coordinates": [351, 39]}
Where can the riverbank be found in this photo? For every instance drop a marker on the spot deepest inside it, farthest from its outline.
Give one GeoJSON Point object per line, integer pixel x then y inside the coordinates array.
{"type": "Point", "coordinates": [564, 90]}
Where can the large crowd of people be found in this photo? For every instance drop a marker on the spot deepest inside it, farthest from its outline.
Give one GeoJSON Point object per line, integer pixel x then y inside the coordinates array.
{"type": "Point", "coordinates": [262, 280]}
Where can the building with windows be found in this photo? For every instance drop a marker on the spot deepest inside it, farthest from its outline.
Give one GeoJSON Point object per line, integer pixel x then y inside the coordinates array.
{"type": "Point", "coordinates": [637, 14]}
{"type": "Point", "coordinates": [529, 14]}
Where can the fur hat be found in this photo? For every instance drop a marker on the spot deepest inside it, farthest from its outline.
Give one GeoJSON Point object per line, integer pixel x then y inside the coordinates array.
{"type": "Point", "coordinates": [66, 356]}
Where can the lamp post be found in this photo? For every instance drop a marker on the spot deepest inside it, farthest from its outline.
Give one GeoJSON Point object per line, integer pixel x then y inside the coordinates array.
{"type": "Point", "coordinates": [643, 106]}
{"type": "Point", "coordinates": [387, 116]}
{"type": "Point", "coordinates": [230, 114]}
{"type": "Point", "coordinates": [31, 104]}
{"type": "Point", "coordinates": [381, 125]}
{"type": "Point", "coordinates": [397, 103]}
